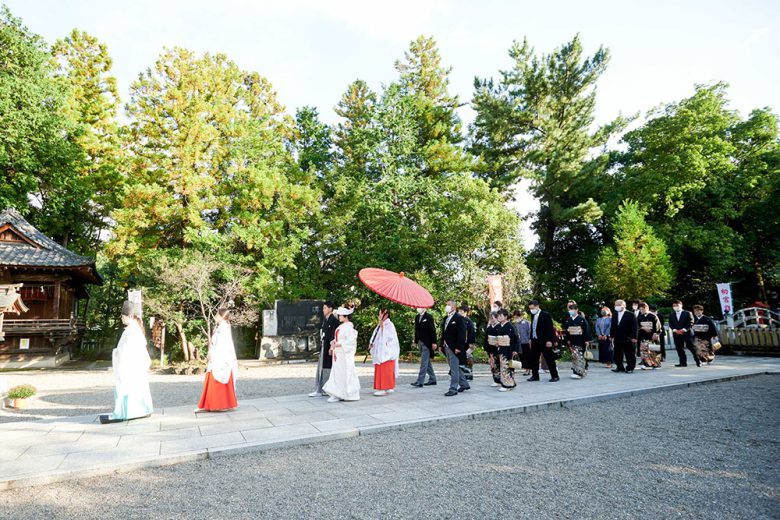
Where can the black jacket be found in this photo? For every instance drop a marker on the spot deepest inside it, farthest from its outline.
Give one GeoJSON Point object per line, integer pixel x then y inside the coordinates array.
{"type": "Point", "coordinates": [490, 330]}
{"type": "Point", "coordinates": [329, 326]}
{"type": "Point", "coordinates": [454, 334]}
{"type": "Point", "coordinates": [545, 330]}
{"type": "Point", "coordinates": [685, 322]}
{"type": "Point", "coordinates": [471, 332]}
{"type": "Point", "coordinates": [425, 329]}
{"type": "Point", "coordinates": [626, 330]}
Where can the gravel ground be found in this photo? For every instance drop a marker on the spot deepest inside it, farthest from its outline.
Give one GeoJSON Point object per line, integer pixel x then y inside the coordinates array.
{"type": "Point", "coordinates": [88, 388]}
{"type": "Point", "coordinates": [709, 451]}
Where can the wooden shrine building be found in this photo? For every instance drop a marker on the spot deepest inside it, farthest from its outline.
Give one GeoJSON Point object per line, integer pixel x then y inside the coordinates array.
{"type": "Point", "coordinates": [44, 286]}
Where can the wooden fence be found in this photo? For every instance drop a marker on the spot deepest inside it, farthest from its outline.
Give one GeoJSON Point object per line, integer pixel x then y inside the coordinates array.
{"type": "Point", "coordinates": [752, 340]}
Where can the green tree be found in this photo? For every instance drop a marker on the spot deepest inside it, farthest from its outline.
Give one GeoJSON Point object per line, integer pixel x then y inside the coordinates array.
{"type": "Point", "coordinates": [37, 153]}
{"type": "Point", "coordinates": [535, 123]}
{"type": "Point", "coordinates": [392, 202]}
{"type": "Point", "coordinates": [638, 265]}
{"type": "Point", "coordinates": [209, 171]}
{"type": "Point", "coordinates": [707, 178]}
{"type": "Point", "coordinates": [87, 196]}
{"type": "Point", "coordinates": [425, 81]}
{"type": "Point", "coordinates": [312, 142]}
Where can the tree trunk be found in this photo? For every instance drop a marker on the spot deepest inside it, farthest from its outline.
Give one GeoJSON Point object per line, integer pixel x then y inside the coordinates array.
{"type": "Point", "coordinates": [183, 340]}
{"type": "Point", "coordinates": [760, 282]}
{"type": "Point", "coordinates": [162, 347]}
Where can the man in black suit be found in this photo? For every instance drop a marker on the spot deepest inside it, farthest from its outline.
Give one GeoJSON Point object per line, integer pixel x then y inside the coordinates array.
{"type": "Point", "coordinates": [327, 332]}
{"type": "Point", "coordinates": [681, 323]}
{"type": "Point", "coordinates": [542, 338]}
{"type": "Point", "coordinates": [453, 337]}
{"type": "Point", "coordinates": [425, 339]}
{"type": "Point", "coordinates": [624, 337]}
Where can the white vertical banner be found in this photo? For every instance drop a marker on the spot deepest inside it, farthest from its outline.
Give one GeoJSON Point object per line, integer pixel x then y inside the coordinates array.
{"type": "Point", "coordinates": [495, 288]}
{"type": "Point", "coordinates": [724, 295]}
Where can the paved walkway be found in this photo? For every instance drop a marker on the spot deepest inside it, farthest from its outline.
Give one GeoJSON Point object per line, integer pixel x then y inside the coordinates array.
{"type": "Point", "coordinates": [40, 452]}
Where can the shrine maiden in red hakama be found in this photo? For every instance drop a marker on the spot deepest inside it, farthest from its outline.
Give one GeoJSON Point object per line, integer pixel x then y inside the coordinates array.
{"type": "Point", "coordinates": [219, 389]}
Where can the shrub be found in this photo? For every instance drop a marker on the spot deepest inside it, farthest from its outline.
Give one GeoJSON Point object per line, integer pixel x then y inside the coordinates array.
{"type": "Point", "coordinates": [22, 392]}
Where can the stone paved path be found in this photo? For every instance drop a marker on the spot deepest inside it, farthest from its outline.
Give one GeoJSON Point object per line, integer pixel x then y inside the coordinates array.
{"type": "Point", "coordinates": [39, 452]}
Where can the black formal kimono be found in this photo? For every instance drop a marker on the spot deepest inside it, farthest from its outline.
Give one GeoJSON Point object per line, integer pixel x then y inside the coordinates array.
{"type": "Point", "coordinates": [576, 333]}
{"type": "Point", "coordinates": [704, 330]}
{"type": "Point", "coordinates": [491, 347]}
{"type": "Point", "coordinates": [649, 339]}
{"type": "Point", "coordinates": [508, 348]}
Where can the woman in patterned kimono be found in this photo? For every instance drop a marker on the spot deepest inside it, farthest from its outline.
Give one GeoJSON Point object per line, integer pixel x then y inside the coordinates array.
{"type": "Point", "coordinates": [508, 348]}
{"type": "Point", "coordinates": [576, 333]}
{"type": "Point", "coordinates": [705, 335]}
{"type": "Point", "coordinates": [491, 347]}
{"type": "Point", "coordinates": [650, 330]}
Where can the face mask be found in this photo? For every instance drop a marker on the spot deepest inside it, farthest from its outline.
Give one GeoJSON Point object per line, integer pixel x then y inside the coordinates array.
{"type": "Point", "coordinates": [603, 313]}
{"type": "Point", "coordinates": [534, 311]}
{"type": "Point", "coordinates": [494, 308]}
{"type": "Point", "coordinates": [572, 313]}
{"type": "Point", "coordinates": [618, 308]}
{"type": "Point", "coordinates": [448, 309]}
{"type": "Point", "coordinates": [677, 308]}
{"type": "Point", "coordinates": [420, 311]}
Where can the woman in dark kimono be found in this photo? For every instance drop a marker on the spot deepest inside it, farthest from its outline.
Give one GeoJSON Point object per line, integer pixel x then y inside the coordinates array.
{"type": "Point", "coordinates": [491, 347]}
{"type": "Point", "coordinates": [576, 332]}
{"type": "Point", "coordinates": [650, 349]}
{"type": "Point", "coordinates": [705, 335]}
{"type": "Point", "coordinates": [508, 349]}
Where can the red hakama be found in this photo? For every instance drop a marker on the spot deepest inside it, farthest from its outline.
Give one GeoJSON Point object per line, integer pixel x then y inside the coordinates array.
{"type": "Point", "coordinates": [217, 396]}
{"type": "Point", "coordinates": [384, 375]}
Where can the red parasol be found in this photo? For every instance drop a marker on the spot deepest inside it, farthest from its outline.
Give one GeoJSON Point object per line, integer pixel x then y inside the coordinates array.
{"type": "Point", "coordinates": [396, 287]}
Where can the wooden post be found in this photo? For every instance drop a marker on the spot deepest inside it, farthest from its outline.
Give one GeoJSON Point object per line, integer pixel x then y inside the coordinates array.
{"type": "Point", "coordinates": [57, 289]}
{"type": "Point", "coordinates": [162, 347]}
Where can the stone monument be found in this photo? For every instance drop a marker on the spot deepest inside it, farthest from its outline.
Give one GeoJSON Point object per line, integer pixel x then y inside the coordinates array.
{"type": "Point", "coordinates": [291, 331]}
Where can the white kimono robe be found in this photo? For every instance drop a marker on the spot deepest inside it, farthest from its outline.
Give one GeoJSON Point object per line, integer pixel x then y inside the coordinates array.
{"type": "Point", "coordinates": [131, 362]}
{"type": "Point", "coordinates": [386, 345]}
{"type": "Point", "coordinates": [343, 382]}
{"type": "Point", "coordinates": [222, 355]}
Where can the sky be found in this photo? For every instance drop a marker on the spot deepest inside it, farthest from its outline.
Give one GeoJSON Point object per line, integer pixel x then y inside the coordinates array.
{"type": "Point", "coordinates": [311, 50]}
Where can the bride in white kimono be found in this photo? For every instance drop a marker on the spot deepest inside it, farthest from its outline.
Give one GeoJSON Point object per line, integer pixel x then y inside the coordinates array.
{"type": "Point", "coordinates": [343, 384]}
{"type": "Point", "coordinates": [131, 362]}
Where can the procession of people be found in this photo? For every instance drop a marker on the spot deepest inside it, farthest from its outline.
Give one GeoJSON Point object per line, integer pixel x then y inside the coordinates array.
{"type": "Point", "coordinates": [511, 344]}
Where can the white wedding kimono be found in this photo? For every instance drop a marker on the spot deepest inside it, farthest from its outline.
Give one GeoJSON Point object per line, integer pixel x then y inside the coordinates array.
{"type": "Point", "coordinates": [131, 362]}
{"type": "Point", "coordinates": [386, 345]}
{"type": "Point", "coordinates": [222, 355]}
{"type": "Point", "coordinates": [343, 382]}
